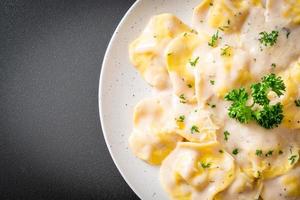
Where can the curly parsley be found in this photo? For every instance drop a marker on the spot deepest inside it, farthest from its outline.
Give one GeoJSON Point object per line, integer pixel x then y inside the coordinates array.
{"type": "Point", "coordinates": [270, 116]}
{"type": "Point", "coordinates": [267, 116]}
{"type": "Point", "coordinates": [269, 82]}
{"type": "Point", "coordinates": [268, 39]}
{"type": "Point", "coordinates": [238, 109]}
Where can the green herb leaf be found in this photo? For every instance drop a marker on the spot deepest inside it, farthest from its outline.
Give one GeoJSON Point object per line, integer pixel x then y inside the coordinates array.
{"type": "Point", "coordinates": [297, 102]}
{"type": "Point", "coordinates": [267, 116]}
{"type": "Point", "coordinates": [270, 117]}
{"type": "Point", "coordinates": [205, 165]}
{"type": "Point", "coordinates": [293, 159]}
{"type": "Point", "coordinates": [181, 118]}
{"type": "Point", "coordinates": [268, 39]}
{"type": "Point", "coordinates": [235, 151]}
{"type": "Point", "coordinates": [226, 135]}
{"type": "Point", "coordinates": [273, 65]}
{"type": "Point", "coordinates": [260, 90]}
{"type": "Point", "coordinates": [194, 62]}
{"type": "Point", "coordinates": [258, 152]}
{"type": "Point", "coordinates": [182, 98]}
{"type": "Point", "coordinates": [214, 40]}
{"type": "Point", "coordinates": [225, 51]}
{"type": "Point", "coordinates": [269, 153]}
{"type": "Point", "coordinates": [238, 109]}
{"type": "Point", "coordinates": [194, 129]}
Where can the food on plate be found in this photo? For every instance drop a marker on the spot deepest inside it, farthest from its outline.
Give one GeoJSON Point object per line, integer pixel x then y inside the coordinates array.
{"type": "Point", "coordinates": [224, 116]}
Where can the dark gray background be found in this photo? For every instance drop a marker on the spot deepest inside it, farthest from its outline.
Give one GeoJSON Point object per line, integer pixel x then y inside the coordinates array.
{"type": "Point", "coordinates": [51, 144]}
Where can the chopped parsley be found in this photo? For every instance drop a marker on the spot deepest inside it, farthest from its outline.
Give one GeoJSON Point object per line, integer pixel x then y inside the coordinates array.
{"type": "Point", "coordinates": [182, 98]}
{"type": "Point", "coordinates": [258, 152]}
{"type": "Point", "coordinates": [194, 62]}
{"type": "Point", "coordinates": [194, 31]}
{"type": "Point", "coordinates": [189, 85]}
{"type": "Point", "coordinates": [226, 51]}
{"type": "Point", "coordinates": [235, 151]}
{"type": "Point", "coordinates": [293, 159]}
{"type": "Point", "coordinates": [223, 28]}
{"type": "Point", "coordinates": [212, 82]}
{"type": "Point", "coordinates": [269, 153]}
{"type": "Point", "coordinates": [297, 102]}
{"type": "Point", "coordinates": [221, 151]}
{"type": "Point", "coordinates": [288, 32]}
{"type": "Point", "coordinates": [213, 106]}
{"type": "Point", "coordinates": [258, 174]}
{"type": "Point", "coordinates": [205, 165]}
{"type": "Point", "coordinates": [226, 135]}
{"type": "Point", "coordinates": [273, 65]}
{"type": "Point", "coordinates": [214, 40]}
{"type": "Point", "coordinates": [169, 54]}
{"type": "Point", "coordinates": [267, 116]}
{"type": "Point", "coordinates": [194, 129]}
{"type": "Point", "coordinates": [268, 39]}
{"type": "Point", "coordinates": [280, 152]}
{"type": "Point", "coordinates": [181, 118]}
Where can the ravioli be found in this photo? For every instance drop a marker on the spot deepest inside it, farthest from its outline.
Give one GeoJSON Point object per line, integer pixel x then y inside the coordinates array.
{"type": "Point", "coordinates": [181, 65]}
{"type": "Point", "coordinates": [154, 135]}
{"type": "Point", "coordinates": [147, 51]}
{"type": "Point", "coordinates": [292, 81]}
{"type": "Point", "coordinates": [197, 171]}
{"type": "Point", "coordinates": [287, 11]}
{"type": "Point", "coordinates": [242, 188]}
{"type": "Point", "coordinates": [226, 15]}
{"type": "Point", "coordinates": [200, 126]}
{"type": "Point", "coordinates": [285, 187]}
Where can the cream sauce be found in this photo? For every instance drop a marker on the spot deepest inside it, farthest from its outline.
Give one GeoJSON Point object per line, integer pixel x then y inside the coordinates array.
{"type": "Point", "coordinates": [188, 113]}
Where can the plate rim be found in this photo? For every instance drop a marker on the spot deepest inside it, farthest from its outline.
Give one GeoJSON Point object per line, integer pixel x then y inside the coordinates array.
{"type": "Point", "coordinates": [100, 91]}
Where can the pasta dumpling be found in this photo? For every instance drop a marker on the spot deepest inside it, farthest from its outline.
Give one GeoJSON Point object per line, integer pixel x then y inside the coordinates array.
{"type": "Point", "coordinates": [154, 135]}
{"type": "Point", "coordinates": [147, 51]}
{"type": "Point", "coordinates": [197, 171]}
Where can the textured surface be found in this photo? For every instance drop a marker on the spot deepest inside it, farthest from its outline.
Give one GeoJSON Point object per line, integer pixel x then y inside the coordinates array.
{"type": "Point", "coordinates": [51, 145]}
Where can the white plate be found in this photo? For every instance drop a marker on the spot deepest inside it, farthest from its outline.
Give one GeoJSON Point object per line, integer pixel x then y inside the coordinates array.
{"type": "Point", "coordinates": [121, 88]}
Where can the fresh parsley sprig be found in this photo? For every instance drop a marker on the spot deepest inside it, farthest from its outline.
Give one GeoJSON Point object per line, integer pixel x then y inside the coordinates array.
{"type": "Point", "coordinates": [238, 109]}
{"type": "Point", "coordinates": [267, 116]}
{"type": "Point", "coordinates": [270, 116]}
{"type": "Point", "coordinates": [260, 90]}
